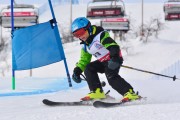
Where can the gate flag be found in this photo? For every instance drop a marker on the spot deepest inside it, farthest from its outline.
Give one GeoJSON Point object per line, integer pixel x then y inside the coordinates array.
{"type": "Point", "coordinates": [36, 46]}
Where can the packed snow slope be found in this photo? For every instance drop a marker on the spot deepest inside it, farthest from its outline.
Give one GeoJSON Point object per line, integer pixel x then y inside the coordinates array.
{"type": "Point", "coordinates": [163, 100]}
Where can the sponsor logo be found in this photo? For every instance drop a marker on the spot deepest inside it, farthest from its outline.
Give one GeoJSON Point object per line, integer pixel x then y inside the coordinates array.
{"type": "Point", "coordinates": [98, 46]}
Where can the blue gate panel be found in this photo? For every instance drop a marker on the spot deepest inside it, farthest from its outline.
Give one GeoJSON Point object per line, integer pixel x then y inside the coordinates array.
{"type": "Point", "coordinates": [36, 46]}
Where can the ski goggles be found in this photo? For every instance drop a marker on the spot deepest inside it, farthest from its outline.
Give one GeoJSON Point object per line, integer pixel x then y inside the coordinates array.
{"type": "Point", "coordinates": [80, 32]}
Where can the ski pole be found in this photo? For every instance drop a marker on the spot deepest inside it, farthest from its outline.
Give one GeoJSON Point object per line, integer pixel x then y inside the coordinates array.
{"type": "Point", "coordinates": [103, 84]}
{"type": "Point", "coordinates": [174, 77]}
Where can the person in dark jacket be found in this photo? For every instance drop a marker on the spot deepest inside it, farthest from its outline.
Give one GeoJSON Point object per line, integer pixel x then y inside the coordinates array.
{"type": "Point", "coordinates": [98, 43]}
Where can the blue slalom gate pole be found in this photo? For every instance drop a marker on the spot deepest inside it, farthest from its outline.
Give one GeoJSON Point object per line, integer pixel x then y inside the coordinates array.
{"type": "Point", "coordinates": [12, 30]}
{"type": "Point", "coordinates": [59, 40]}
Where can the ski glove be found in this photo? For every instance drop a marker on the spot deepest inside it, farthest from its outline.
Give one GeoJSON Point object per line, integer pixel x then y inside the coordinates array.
{"type": "Point", "coordinates": [115, 62]}
{"type": "Point", "coordinates": [76, 75]}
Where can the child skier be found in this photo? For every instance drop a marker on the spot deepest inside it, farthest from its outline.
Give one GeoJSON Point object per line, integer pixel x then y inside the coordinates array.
{"type": "Point", "coordinates": [98, 43]}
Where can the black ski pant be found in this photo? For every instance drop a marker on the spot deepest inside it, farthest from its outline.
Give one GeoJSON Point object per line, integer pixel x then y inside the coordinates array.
{"type": "Point", "coordinates": [114, 79]}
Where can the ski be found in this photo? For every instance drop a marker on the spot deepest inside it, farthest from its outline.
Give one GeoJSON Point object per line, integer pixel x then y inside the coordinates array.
{"type": "Point", "coordinates": [102, 104]}
{"type": "Point", "coordinates": [96, 104]}
{"type": "Point", "coordinates": [77, 103]}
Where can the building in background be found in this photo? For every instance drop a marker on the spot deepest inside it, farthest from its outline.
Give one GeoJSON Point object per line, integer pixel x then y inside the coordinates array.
{"type": "Point", "coordinates": [172, 10]}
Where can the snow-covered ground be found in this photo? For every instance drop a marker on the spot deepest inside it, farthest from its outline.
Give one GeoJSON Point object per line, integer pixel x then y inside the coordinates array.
{"type": "Point", "coordinates": [163, 103]}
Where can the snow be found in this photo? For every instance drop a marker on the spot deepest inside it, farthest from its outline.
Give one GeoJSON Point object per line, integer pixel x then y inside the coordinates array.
{"type": "Point", "coordinates": [163, 103]}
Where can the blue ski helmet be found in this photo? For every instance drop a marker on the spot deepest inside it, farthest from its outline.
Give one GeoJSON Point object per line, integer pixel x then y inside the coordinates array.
{"type": "Point", "coordinates": [80, 22]}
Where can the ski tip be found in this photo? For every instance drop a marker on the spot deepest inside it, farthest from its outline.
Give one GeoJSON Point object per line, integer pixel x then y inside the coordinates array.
{"type": "Point", "coordinates": [101, 104]}
{"type": "Point", "coordinates": [98, 104]}
{"type": "Point", "coordinates": [49, 102]}
{"type": "Point", "coordinates": [45, 101]}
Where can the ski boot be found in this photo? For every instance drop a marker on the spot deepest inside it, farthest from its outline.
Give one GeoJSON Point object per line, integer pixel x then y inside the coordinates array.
{"type": "Point", "coordinates": [97, 94]}
{"type": "Point", "coordinates": [130, 96]}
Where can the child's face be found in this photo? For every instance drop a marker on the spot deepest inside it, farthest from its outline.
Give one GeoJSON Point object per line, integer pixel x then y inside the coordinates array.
{"type": "Point", "coordinates": [84, 36]}
{"type": "Point", "coordinates": [81, 34]}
